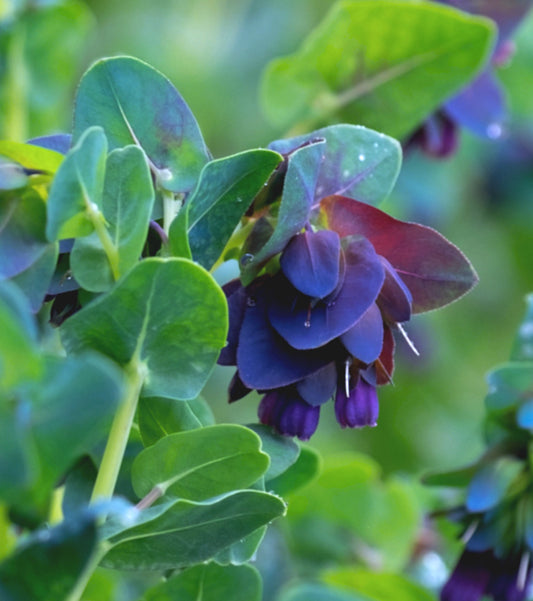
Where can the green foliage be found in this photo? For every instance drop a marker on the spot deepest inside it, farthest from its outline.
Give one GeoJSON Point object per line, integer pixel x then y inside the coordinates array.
{"type": "Point", "coordinates": [135, 104]}
{"type": "Point", "coordinates": [210, 582]}
{"type": "Point", "coordinates": [176, 342]}
{"type": "Point", "coordinates": [200, 464]}
{"type": "Point", "coordinates": [366, 58]}
{"type": "Point", "coordinates": [179, 533]}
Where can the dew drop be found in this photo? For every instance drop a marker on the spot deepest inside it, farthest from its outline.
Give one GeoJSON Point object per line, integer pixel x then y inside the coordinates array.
{"type": "Point", "coordinates": [376, 145]}
{"type": "Point", "coordinates": [345, 173]}
{"type": "Point", "coordinates": [250, 301]}
{"type": "Point", "coordinates": [164, 174]}
{"type": "Point", "coordinates": [69, 277]}
{"type": "Point", "coordinates": [307, 323]}
{"type": "Point", "coordinates": [494, 131]}
{"type": "Point", "coordinates": [246, 259]}
{"type": "Point", "coordinates": [239, 199]}
{"type": "Point", "coordinates": [362, 157]}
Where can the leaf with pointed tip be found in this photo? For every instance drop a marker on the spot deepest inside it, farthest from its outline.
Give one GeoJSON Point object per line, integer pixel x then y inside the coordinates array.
{"type": "Point", "coordinates": [209, 582]}
{"type": "Point", "coordinates": [173, 319]}
{"type": "Point", "coordinates": [283, 451]}
{"type": "Point", "coordinates": [435, 271]}
{"type": "Point", "coordinates": [224, 192]}
{"type": "Point", "coordinates": [31, 157]}
{"type": "Point", "coordinates": [159, 416]}
{"type": "Point", "coordinates": [77, 187]}
{"type": "Point", "coordinates": [200, 464]}
{"type": "Point", "coordinates": [180, 533]}
{"type": "Point", "coordinates": [369, 54]}
{"type": "Point", "coordinates": [136, 104]}
{"type": "Point", "coordinates": [296, 201]}
{"type": "Point", "coordinates": [127, 200]}
{"type": "Point", "coordinates": [358, 162]}
{"type": "Point", "coordinates": [47, 565]}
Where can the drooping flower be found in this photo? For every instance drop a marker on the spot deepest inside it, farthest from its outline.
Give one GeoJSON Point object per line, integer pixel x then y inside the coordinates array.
{"type": "Point", "coordinates": [320, 327]}
{"type": "Point", "coordinates": [481, 106]}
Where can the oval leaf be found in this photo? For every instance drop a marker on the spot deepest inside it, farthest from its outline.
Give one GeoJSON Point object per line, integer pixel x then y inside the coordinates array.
{"type": "Point", "coordinates": [173, 319]}
{"type": "Point", "coordinates": [201, 463]}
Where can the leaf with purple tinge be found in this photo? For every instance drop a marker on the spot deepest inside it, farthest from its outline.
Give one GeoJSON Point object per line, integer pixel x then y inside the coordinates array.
{"type": "Point", "coordinates": [58, 142]}
{"type": "Point", "coordinates": [480, 107]}
{"type": "Point", "coordinates": [395, 299]}
{"type": "Point", "coordinates": [296, 202]}
{"type": "Point", "coordinates": [135, 104]}
{"type": "Point", "coordinates": [490, 484]}
{"type": "Point", "coordinates": [507, 14]}
{"type": "Point", "coordinates": [435, 271]}
{"type": "Point", "coordinates": [364, 340]}
{"type": "Point", "coordinates": [385, 363]}
{"type": "Point", "coordinates": [358, 162]}
{"type": "Point", "coordinates": [265, 360]}
{"type": "Point", "coordinates": [319, 387]}
{"type": "Point", "coordinates": [305, 326]}
{"type": "Point", "coordinates": [311, 262]}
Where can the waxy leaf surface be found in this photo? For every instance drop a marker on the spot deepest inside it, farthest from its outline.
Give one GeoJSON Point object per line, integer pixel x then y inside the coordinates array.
{"type": "Point", "coordinates": [77, 188]}
{"type": "Point", "coordinates": [509, 385]}
{"type": "Point", "coordinates": [159, 416]}
{"type": "Point", "coordinates": [173, 319]}
{"type": "Point", "coordinates": [435, 271]}
{"type": "Point", "coordinates": [127, 201]}
{"type": "Point", "coordinates": [135, 104]}
{"type": "Point", "coordinates": [490, 483]}
{"type": "Point", "coordinates": [210, 582]}
{"type": "Point", "coordinates": [201, 463]}
{"type": "Point", "coordinates": [31, 157]}
{"type": "Point", "coordinates": [283, 451]}
{"type": "Point", "coordinates": [296, 202]}
{"type": "Point", "coordinates": [300, 473]}
{"type": "Point", "coordinates": [181, 533]}
{"type": "Point", "coordinates": [358, 162]}
{"type": "Point", "coordinates": [366, 57]}
{"type": "Point", "coordinates": [223, 194]}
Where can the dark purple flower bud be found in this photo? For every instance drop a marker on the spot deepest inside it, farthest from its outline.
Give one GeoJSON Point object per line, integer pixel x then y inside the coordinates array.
{"type": "Point", "coordinates": [437, 136]}
{"type": "Point", "coordinates": [470, 578]}
{"type": "Point", "coordinates": [358, 409]}
{"type": "Point", "coordinates": [318, 388]}
{"type": "Point", "coordinates": [288, 414]}
{"type": "Point", "coordinates": [311, 262]}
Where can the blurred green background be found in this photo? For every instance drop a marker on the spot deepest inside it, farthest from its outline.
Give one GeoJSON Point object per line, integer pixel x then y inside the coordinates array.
{"type": "Point", "coordinates": [214, 51]}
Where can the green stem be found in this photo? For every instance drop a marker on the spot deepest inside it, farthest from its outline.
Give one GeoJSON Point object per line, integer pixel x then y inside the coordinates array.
{"type": "Point", "coordinates": [16, 86]}
{"type": "Point", "coordinates": [110, 249]}
{"type": "Point", "coordinates": [83, 580]}
{"type": "Point", "coordinates": [171, 207]}
{"type": "Point", "coordinates": [119, 434]}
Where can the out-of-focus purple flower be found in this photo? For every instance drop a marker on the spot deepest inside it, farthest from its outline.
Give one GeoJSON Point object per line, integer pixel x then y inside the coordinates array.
{"type": "Point", "coordinates": [481, 106]}
{"type": "Point", "coordinates": [483, 574]}
{"type": "Point", "coordinates": [320, 328]}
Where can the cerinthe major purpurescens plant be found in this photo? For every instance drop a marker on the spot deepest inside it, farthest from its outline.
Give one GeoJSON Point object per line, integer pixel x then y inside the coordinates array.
{"type": "Point", "coordinates": [112, 322]}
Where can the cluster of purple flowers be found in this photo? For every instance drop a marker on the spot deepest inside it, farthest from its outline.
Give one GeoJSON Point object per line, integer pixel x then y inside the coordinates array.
{"type": "Point", "coordinates": [320, 327]}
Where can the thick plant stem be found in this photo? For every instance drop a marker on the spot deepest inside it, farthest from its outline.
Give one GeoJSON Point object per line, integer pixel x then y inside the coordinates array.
{"type": "Point", "coordinates": [118, 437]}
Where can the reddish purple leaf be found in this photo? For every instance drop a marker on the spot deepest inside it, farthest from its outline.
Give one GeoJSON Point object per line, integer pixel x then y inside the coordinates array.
{"type": "Point", "coordinates": [364, 340]}
{"type": "Point", "coordinates": [435, 271]}
{"type": "Point", "coordinates": [311, 262]}
{"type": "Point", "coordinates": [306, 325]}
{"type": "Point", "coordinates": [385, 362]}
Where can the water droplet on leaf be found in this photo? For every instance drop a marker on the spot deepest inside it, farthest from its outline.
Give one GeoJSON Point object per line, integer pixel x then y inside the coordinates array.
{"type": "Point", "coordinates": [307, 323]}
{"type": "Point", "coordinates": [362, 157]}
{"type": "Point", "coordinates": [246, 259]}
{"type": "Point", "coordinates": [494, 131]}
{"type": "Point", "coordinates": [250, 301]}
